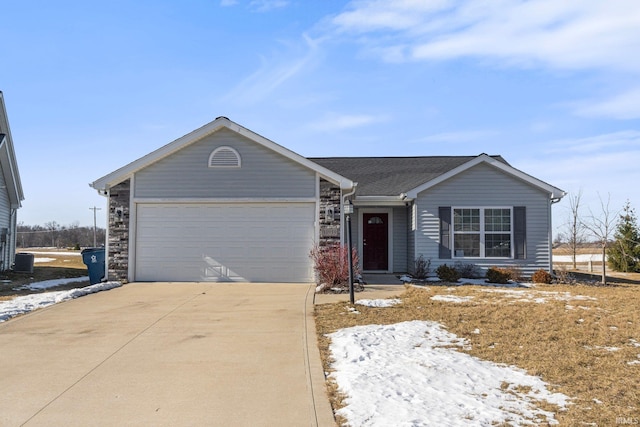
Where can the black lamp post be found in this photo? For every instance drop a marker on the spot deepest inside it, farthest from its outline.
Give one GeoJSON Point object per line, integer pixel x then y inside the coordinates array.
{"type": "Point", "coordinates": [348, 210]}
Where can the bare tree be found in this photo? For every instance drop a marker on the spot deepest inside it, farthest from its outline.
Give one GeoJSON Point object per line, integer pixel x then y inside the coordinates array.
{"type": "Point", "coordinates": [53, 227]}
{"type": "Point", "coordinates": [575, 229]}
{"type": "Point", "coordinates": [601, 227]}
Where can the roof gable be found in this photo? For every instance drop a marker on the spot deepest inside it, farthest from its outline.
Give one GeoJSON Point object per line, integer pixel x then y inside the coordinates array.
{"type": "Point", "coordinates": [119, 175]}
{"type": "Point", "coordinates": [554, 192]}
{"type": "Point", "coordinates": [392, 176]}
{"type": "Point", "coordinates": [408, 176]}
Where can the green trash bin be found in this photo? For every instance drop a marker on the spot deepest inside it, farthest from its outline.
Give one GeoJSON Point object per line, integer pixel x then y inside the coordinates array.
{"type": "Point", "coordinates": [94, 260]}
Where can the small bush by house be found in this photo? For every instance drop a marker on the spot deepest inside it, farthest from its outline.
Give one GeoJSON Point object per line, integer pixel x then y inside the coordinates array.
{"type": "Point", "coordinates": [498, 275]}
{"type": "Point", "coordinates": [447, 274]}
{"type": "Point", "coordinates": [422, 268]}
{"type": "Point", "coordinates": [542, 276]}
{"type": "Point", "coordinates": [467, 270]}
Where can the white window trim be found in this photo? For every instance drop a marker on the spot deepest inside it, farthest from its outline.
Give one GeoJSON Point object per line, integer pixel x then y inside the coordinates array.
{"type": "Point", "coordinates": [225, 147]}
{"type": "Point", "coordinates": [482, 232]}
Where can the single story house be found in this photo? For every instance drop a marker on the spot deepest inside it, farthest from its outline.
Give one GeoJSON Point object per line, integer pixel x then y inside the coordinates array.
{"type": "Point", "coordinates": [11, 194]}
{"type": "Point", "coordinates": [223, 203]}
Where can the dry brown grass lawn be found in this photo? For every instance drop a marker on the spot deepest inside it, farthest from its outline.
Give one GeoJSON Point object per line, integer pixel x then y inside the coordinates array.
{"type": "Point", "coordinates": [62, 266]}
{"type": "Point", "coordinates": [584, 341]}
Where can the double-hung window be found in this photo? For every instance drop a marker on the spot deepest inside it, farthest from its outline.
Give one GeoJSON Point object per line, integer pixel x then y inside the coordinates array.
{"type": "Point", "coordinates": [482, 232]}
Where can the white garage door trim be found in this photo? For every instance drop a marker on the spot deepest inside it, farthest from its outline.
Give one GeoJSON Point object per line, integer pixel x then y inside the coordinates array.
{"type": "Point", "coordinates": [223, 241]}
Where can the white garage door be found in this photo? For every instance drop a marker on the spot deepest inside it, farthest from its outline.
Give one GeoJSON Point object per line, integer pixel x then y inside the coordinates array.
{"type": "Point", "coordinates": [254, 242]}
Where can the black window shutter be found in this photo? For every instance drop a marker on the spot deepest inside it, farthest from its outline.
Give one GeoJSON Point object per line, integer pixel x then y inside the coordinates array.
{"type": "Point", "coordinates": [445, 232]}
{"type": "Point", "coordinates": [520, 232]}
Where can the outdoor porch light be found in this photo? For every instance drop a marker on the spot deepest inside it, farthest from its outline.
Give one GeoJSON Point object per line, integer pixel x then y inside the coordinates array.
{"type": "Point", "coordinates": [348, 208]}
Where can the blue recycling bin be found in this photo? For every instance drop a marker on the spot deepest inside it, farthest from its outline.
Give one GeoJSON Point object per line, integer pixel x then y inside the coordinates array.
{"type": "Point", "coordinates": [94, 260]}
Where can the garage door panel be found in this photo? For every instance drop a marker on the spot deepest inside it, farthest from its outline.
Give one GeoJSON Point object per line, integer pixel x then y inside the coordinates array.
{"type": "Point", "coordinates": [220, 242]}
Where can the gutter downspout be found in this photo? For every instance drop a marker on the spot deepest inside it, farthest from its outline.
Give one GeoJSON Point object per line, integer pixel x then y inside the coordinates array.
{"type": "Point", "coordinates": [344, 199]}
{"type": "Point", "coordinates": [107, 194]}
{"type": "Point", "coordinates": [13, 238]}
{"type": "Point", "coordinates": [552, 201]}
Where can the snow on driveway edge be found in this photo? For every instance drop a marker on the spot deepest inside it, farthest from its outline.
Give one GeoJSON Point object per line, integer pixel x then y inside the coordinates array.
{"type": "Point", "coordinates": [28, 303]}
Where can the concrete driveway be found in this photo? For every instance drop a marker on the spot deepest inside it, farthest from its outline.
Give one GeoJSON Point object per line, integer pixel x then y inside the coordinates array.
{"type": "Point", "coordinates": [167, 354]}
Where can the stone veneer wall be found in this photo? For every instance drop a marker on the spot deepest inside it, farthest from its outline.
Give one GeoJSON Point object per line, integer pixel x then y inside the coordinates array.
{"type": "Point", "coordinates": [118, 265]}
{"type": "Point", "coordinates": [329, 203]}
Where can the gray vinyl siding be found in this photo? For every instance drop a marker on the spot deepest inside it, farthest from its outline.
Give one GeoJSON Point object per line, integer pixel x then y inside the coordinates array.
{"type": "Point", "coordinates": [263, 174]}
{"type": "Point", "coordinates": [399, 240]}
{"type": "Point", "coordinates": [485, 186]}
{"type": "Point", "coordinates": [6, 255]}
{"type": "Point", "coordinates": [411, 240]}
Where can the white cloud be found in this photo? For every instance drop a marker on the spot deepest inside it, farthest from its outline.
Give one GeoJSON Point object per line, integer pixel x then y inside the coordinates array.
{"type": "Point", "coordinates": [267, 5]}
{"type": "Point", "coordinates": [623, 106]}
{"type": "Point", "coordinates": [364, 16]}
{"type": "Point", "coordinates": [558, 34]}
{"type": "Point", "coordinates": [273, 74]}
{"type": "Point", "coordinates": [600, 165]}
{"type": "Point", "coordinates": [596, 36]}
{"type": "Point", "coordinates": [628, 140]}
{"type": "Point", "coordinates": [336, 122]}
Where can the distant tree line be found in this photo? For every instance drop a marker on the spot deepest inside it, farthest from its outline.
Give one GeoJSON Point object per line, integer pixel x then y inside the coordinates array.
{"type": "Point", "coordinates": [55, 235]}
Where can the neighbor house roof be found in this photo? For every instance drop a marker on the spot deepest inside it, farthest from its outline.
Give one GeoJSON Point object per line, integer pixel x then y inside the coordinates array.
{"type": "Point", "coordinates": [407, 176]}
{"type": "Point", "coordinates": [8, 161]}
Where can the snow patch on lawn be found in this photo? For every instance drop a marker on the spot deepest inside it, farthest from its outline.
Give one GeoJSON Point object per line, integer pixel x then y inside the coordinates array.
{"type": "Point", "coordinates": [45, 284]}
{"type": "Point", "coordinates": [27, 303]}
{"type": "Point", "coordinates": [601, 347]}
{"type": "Point", "coordinates": [407, 374]}
{"type": "Point", "coordinates": [379, 303]}
{"type": "Point", "coordinates": [54, 253]}
{"type": "Point", "coordinates": [44, 259]}
{"type": "Point", "coordinates": [451, 298]}
{"type": "Point", "coordinates": [464, 281]}
{"type": "Point", "coordinates": [540, 297]}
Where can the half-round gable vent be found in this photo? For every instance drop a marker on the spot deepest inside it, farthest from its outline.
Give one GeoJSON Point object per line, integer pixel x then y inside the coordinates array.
{"type": "Point", "coordinates": [224, 157]}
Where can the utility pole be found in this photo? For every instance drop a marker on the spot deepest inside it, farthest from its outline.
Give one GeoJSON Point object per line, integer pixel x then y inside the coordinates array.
{"type": "Point", "coordinates": [94, 209]}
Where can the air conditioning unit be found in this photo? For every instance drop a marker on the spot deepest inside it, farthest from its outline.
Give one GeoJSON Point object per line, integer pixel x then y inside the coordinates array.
{"type": "Point", "coordinates": [23, 263]}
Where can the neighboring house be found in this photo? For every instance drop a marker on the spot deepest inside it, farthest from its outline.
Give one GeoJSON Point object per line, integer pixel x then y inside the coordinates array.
{"type": "Point", "coordinates": [223, 203]}
{"type": "Point", "coordinates": [11, 195]}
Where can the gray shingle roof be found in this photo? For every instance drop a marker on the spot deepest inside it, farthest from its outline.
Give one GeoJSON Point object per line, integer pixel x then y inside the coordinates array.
{"type": "Point", "coordinates": [391, 176]}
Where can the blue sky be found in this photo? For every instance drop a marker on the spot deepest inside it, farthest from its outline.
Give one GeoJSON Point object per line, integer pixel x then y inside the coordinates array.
{"type": "Point", "coordinates": [552, 86]}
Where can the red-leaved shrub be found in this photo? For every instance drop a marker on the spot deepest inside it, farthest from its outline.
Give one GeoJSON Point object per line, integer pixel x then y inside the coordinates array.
{"type": "Point", "coordinates": [331, 264]}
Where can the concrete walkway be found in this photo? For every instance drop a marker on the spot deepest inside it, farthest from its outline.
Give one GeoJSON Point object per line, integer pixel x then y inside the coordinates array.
{"type": "Point", "coordinates": [377, 286]}
{"type": "Point", "coordinates": [370, 292]}
{"type": "Point", "coordinates": [167, 354]}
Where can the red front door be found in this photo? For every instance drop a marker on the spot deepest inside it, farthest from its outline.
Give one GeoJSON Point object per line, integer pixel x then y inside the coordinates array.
{"type": "Point", "coordinates": [375, 241]}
